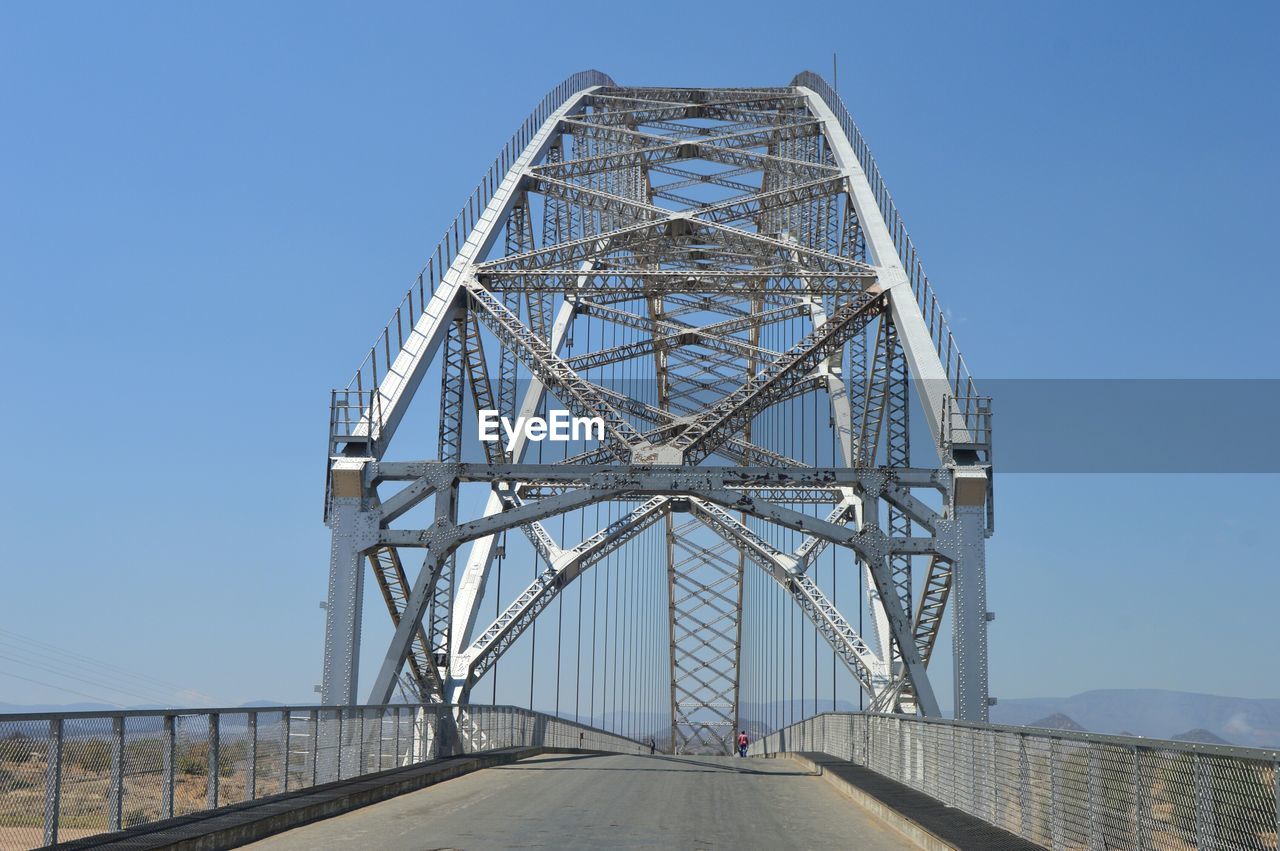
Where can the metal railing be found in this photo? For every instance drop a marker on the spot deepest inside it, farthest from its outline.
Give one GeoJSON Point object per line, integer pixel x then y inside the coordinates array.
{"type": "Point", "coordinates": [347, 421]}
{"type": "Point", "coordinates": [68, 775]}
{"type": "Point", "coordinates": [958, 375]}
{"type": "Point", "coordinates": [966, 423]}
{"type": "Point", "coordinates": [1060, 789]}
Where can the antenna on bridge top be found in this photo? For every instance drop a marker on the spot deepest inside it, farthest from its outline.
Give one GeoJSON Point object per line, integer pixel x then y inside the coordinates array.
{"type": "Point", "coordinates": [835, 75]}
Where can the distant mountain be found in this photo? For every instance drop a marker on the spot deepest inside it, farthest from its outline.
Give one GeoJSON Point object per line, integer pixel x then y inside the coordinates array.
{"type": "Point", "coordinates": [1202, 736]}
{"type": "Point", "coordinates": [1154, 713]}
{"type": "Point", "coordinates": [1058, 721]}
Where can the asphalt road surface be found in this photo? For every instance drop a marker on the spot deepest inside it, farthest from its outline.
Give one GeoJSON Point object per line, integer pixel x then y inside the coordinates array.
{"type": "Point", "coordinates": [583, 801]}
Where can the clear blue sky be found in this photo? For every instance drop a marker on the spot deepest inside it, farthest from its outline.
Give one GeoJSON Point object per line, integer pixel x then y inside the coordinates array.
{"type": "Point", "coordinates": [207, 210]}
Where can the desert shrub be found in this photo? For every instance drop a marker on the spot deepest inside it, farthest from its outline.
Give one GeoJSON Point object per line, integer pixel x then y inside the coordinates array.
{"type": "Point", "coordinates": [17, 748]}
{"type": "Point", "coordinates": [194, 758]}
{"type": "Point", "coordinates": [144, 754]}
{"type": "Point", "coordinates": [92, 755]}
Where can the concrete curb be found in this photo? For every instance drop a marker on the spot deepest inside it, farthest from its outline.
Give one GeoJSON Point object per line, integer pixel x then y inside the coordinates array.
{"type": "Point", "coordinates": [914, 832]}
{"type": "Point", "coordinates": [239, 824]}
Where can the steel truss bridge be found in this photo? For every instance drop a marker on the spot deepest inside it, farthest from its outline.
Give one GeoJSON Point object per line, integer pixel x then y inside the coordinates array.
{"type": "Point", "coordinates": [720, 277]}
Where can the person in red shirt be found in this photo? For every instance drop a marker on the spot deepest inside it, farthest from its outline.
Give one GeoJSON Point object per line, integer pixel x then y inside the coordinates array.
{"type": "Point", "coordinates": [742, 743]}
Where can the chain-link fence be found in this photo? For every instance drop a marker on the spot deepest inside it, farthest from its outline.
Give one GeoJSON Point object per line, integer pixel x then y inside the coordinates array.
{"type": "Point", "coordinates": [69, 775]}
{"type": "Point", "coordinates": [1060, 789]}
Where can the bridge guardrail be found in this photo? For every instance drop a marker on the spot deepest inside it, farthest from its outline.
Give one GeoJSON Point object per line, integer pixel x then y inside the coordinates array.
{"type": "Point", "coordinates": [73, 774]}
{"type": "Point", "coordinates": [1063, 789]}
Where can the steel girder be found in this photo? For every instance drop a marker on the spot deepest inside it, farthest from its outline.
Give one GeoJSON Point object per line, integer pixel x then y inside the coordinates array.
{"type": "Point", "coordinates": [394, 584]}
{"type": "Point", "coordinates": [844, 640]}
{"type": "Point", "coordinates": [704, 619]}
{"type": "Point", "coordinates": [774, 220]}
{"type": "Point", "coordinates": [930, 363]}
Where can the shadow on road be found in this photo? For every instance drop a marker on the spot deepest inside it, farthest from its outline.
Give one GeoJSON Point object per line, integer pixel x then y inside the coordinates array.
{"type": "Point", "coordinates": [695, 766]}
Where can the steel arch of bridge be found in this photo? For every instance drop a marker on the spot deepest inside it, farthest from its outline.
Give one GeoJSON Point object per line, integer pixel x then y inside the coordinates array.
{"type": "Point", "coordinates": [744, 243]}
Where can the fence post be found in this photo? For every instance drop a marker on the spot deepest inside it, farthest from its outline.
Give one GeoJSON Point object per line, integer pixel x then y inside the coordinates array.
{"type": "Point", "coordinates": [418, 735]}
{"type": "Point", "coordinates": [313, 729]}
{"type": "Point", "coordinates": [287, 719]}
{"type": "Point", "coordinates": [251, 770]}
{"type": "Point", "coordinates": [360, 766]}
{"type": "Point", "coordinates": [170, 766]}
{"type": "Point", "coordinates": [115, 803]}
{"type": "Point", "coordinates": [338, 774]}
{"type": "Point", "coordinates": [866, 734]}
{"type": "Point", "coordinates": [215, 758]}
{"type": "Point", "coordinates": [53, 782]}
{"type": "Point", "coordinates": [395, 762]}
{"type": "Point", "coordinates": [902, 756]}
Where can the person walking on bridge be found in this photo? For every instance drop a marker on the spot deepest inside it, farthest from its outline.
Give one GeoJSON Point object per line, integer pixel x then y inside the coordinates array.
{"type": "Point", "coordinates": [742, 743]}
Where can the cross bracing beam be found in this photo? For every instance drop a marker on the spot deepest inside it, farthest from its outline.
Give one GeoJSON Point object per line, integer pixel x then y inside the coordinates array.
{"type": "Point", "coordinates": [693, 94]}
{"type": "Point", "coordinates": [685, 131]}
{"type": "Point", "coordinates": [739, 288]}
{"type": "Point", "coordinates": [724, 212]}
{"type": "Point", "coordinates": [872, 545]}
{"type": "Point", "coordinates": [643, 282]}
{"type": "Point", "coordinates": [670, 332]}
{"type": "Point", "coordinates": [556, 375]}
{"type": "Point", "coordinates": [658, 152]}
{"type": "Point", "coordinates": [737, 449]}
{"type": "Point", "coordinates": [702, 436]}
{"type": "Point", "coordinates": [629, 476]}
{"type": "Point", "coordinates": [728, 148]}
{"type": "Point", "coordinates": [693, 178]}
{"type": "Point", "coordinates": [839, 634]}
{"type": "Point", "coordinates": [575, 249]}
{"type": "Point", "coordinates": [933, 602]}
{"type": "Point", "coordinates": [571, 564]}
{"type": "Point", "coordinates": [394, 584]}
{"type": "Point", "coordinates": [685, 304]}
{"type": "Point", "coordinates": [684, 237]}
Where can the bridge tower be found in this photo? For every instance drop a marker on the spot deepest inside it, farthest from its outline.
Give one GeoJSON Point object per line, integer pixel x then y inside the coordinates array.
{"type": "Point", "coordinates": [716, 286]}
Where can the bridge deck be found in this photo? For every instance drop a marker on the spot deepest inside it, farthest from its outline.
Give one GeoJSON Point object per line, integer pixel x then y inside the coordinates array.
{"type": "Point", "coordinates": [587, 801]}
